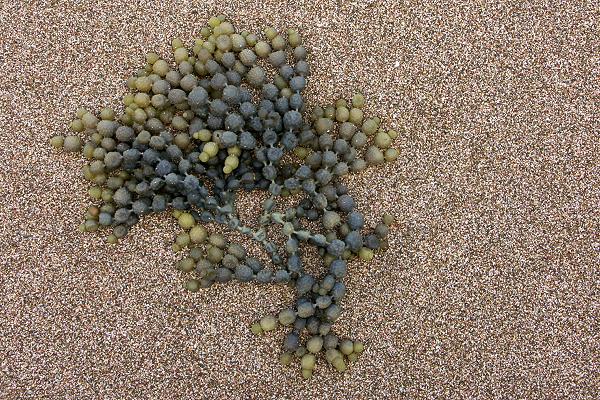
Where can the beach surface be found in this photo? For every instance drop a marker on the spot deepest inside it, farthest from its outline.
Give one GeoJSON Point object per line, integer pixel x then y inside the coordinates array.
{"type": "Point", "coordinates": [489, 288]}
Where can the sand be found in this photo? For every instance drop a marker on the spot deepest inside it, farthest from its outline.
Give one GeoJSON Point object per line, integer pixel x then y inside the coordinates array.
{"type": "Point", "coordinates": [489, 289]}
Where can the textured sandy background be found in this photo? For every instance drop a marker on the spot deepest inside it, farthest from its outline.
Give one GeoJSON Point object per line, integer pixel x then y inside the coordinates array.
{"type": "Point", "coordinates": [489, 290]}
